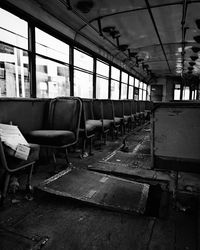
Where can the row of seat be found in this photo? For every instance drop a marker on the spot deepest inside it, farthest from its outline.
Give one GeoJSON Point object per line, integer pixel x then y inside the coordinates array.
{"type": "Point", "coordinates": [68, 120]}
{"type": "Point", "coordinates": [72, 118]}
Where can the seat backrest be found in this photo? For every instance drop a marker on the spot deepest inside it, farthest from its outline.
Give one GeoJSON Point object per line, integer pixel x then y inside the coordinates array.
{"type": "Point", "coordinates": [97, 109]}
{"type": "Point", "coordinates": [134, 107]}
{"type": "Point", "coordinates": [87, 106]}
{"type": "Point", "coordinates": [65, 114]}
{"type": "Point", "coordinates": [127, 107]}
{"type": "Point", "coordinates": [108, 112]}
{"type": "Point", "coordinates": [2, 157]}
{"type": "Point", "coordinates": [118, 108]}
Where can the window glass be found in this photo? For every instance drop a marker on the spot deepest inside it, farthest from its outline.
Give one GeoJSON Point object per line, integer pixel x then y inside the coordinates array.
{"type": "Point", "coordinates": [52, 78]}
{"type": "Point", "coordinates": [136, 83]}
{"type": "Point", "coordinates": [144, 97]}
{"type": "Point", "coordinates": [141, 85]}
{"type": "Point", "coordinates": [124, 77]}
{"type": "Point", "coordinates": [83, 84]}
{"type": "Point", "coordinates": [130, 92]}
{"type": "Point", "coordinates": [145, 86]}
{"type": "Point", "coordinates": [82, 60]}
{"type": "Point", "coordinates": [124, 91]}
{"type": "Point", "coordinates": [102, 69]}
{"type": "Point", "coordinates": [101, 88]}
{"type": "Point", "coordinates": [140, 94]}
{"type": "Point", "coordinates": [131, 80]}
{"type": "Point", "coordinates": [114, 90]}
{"type": "Point", "coordinates": [186, 93]}
{"type": "Point", "coordinates": [14, 72]}
{"type": "Point", "coordinates": [177, 92]}
{"type": "Point", "coordinates": [136, 94]}
{"type": "Point", "coordinates": [115, 73]}
{"type": "Point", "coordinates": [13, 30]}
{"type": "Point", "coordinates": [50, 46]}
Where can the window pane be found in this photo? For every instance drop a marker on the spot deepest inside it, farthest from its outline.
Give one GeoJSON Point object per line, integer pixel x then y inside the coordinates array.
{"type": "Point", "coordinates": [102, 69]}
{"type": "Point", "coordinates": [136, 94]}
{"type": "Point", "coordinates": [52, 78]}
{"type": "Point", "coordinates": [14, 72]}
{"type": "Point", "coordinates": [48, 45]}
{"type": "Point", "coordinates": [131, 80]}
{"type": "Point", "coordinates": [115, 73]}
{"type": "Point", "coordinates": [144, 97]}
{"type": "Point", "coordinates": [141, 85]}
{"type": "Point", "coordinates": [83, 84]}
{"type": "Point", "coordinates": [177, 94]}
{"type": "Point", "coordinates": [82, 60]}
{"type": "Point", "coordinates": [186, 93]}
{"type": "Point", "coordinates": [13, 30]}
{"type": "Point", "coordinates": [101, 88]}
{"type": "Point", "coordinates": [124, 77]}
{"type": "Point", "coordinates": [136, 83]}
{"type": "Point", "coordinates": [130, 92]}
{"type": "Point", "coordinates": [140, 94]}
{"type": "Point", "coordinates": [145, 86]}
{"type": "Point", "coordinates": [114, 90]}
{"type": "Point", "coordinates": [124, 91]}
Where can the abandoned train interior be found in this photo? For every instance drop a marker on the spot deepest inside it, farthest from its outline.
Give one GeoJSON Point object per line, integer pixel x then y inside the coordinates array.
{"type": "Point", "coordinates": [100, 124]}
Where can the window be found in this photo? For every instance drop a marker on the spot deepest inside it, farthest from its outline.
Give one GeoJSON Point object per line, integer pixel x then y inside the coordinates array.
{"type": "Point", "coordinates": [82, 60]}
{"type": "Point", "coordinates": [83, 84]}
{"type": "Point", "coordinates": [52, 78]}
{"type": "Point", "coordinates": [115, 76]}
{"type": "Point", "coordinates": [14, 69]}
{"type": "Point", "coordinates": [136, 83]}
{"type": "Point", "coordinates": [186, 93]}
{"type": "Point", "coordinates": [131, 84]}
{"type": "Point", "coordinates": [124, 85]}
{"type": "Point", "coordinates": [83, 75]}
{"type": "Point", "coordinates": [52, 74]}
{"type": "Point", "coordinates": [49, 46]}
{"type": "Point", "coordinates": [177, 92]}
{"type": "Point", "coordinates": [102, 80]}
{"type": "Point", "coordinates": [136, 93]}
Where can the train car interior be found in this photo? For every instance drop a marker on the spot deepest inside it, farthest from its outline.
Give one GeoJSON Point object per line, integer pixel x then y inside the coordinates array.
{"type": "Point", "coordinates": [100, 124]}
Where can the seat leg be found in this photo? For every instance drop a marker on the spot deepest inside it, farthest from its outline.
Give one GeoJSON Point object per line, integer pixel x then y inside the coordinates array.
{"type": "Point", "coordinates": [67, 158]}
{"type": "Point", "coordinates": [83, 146]}
{"type": "Point", "coordinates": [5, 188]}
{"type": "Point", "coordinates": [29, 187]}
{"type": "Point", "coordinates": [90, 146]}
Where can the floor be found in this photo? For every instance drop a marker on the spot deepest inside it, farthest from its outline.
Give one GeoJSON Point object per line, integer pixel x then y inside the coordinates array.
{"type": "Point", "coordinates": [51, 222]}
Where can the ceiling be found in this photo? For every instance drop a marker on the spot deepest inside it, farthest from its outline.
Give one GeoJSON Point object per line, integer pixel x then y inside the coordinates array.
{"type": "Point", "coordinates": [153, 37]}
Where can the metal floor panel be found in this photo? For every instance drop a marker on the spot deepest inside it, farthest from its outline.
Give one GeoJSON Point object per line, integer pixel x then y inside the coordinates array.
{"type": "Point", "coordinates": [99, 189]}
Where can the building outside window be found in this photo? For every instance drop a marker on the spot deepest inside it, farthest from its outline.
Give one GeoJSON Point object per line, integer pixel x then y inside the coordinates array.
{"type": "Point", "coordinates": [14, 66]}
{"type": "Point", "coordinates": [102, 80]}
{"type": "Point", "coordinates": [83, 75]}
{"type": "Point", "coordinates": [52, 69]}
{"type": "Point", "coordinates": [186, 93]}
{"type": "Point", "coordinates": [141, 91]}
{"type": "Point", "coordinates": [115, 78]}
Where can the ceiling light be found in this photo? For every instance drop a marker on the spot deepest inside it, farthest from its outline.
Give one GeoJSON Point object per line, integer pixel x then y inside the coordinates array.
{"type": "Point", "coordinates": [195, 49]}
{"type": "Point", "coordinates": [191, 63]}
{"type": "Point", "coordinates": [123, 47]}
{"type": "Point", "coordinates": [194, 58]}
{"type": "Point", "coordinates": [85, 6]}
{"type": "Point", "coordinates": [197, 39]}
{"type": "Point", "coordinates": [190, 68]}
{"type": "Point", "coordinates": [198, 23]}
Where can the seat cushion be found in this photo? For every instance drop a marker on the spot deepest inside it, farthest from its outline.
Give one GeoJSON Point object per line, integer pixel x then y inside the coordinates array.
{"type": "Point", "coordinates": [94, 124]}
{"type": "Point", "coordinates": [118, 120]}
{"type": "Point", "coordinates": [52, 137]}
{"type": "Point", "coordinates": [107, 123]}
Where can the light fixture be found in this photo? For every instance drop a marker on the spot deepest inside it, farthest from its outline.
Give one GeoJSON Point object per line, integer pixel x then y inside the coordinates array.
{"type": "Point", "coordinates": [194, 58]}
{"type": "Point", "coordinates": [195, 49]}
{"type": "Point", "coordinates": [197, 39]}
{"type": "Point", "coordinates": [85, 5]}
{"type": "Point", "coordinates": [123, 47]}
{"type": "Point", "coordinates": [191, 63]}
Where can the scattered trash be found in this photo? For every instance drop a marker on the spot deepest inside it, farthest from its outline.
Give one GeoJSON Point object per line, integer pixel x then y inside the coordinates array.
{"type": "Point", "coordinates": [182, 208]}
{"type": "Point", "coordinates": [189, 188]}
{"type": "Point", "coordinates": [14, 185]}
{"type": "Point", "coordinates": [15, 201]}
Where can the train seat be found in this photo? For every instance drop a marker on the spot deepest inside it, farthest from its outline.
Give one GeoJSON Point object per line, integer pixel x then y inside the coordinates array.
{"type": "Point", "coordinates": [63, 126]}
{"type": "Point", "coordinates": [119, 114]}
{"type": "Point", "coordinates": [11, 165]}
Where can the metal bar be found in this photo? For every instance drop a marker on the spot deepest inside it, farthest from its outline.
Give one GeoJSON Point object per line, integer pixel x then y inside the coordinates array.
{"type": "Point", "coordinates": [184, 29]}
{"type": "Point", "coordinates": [156, 29]}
